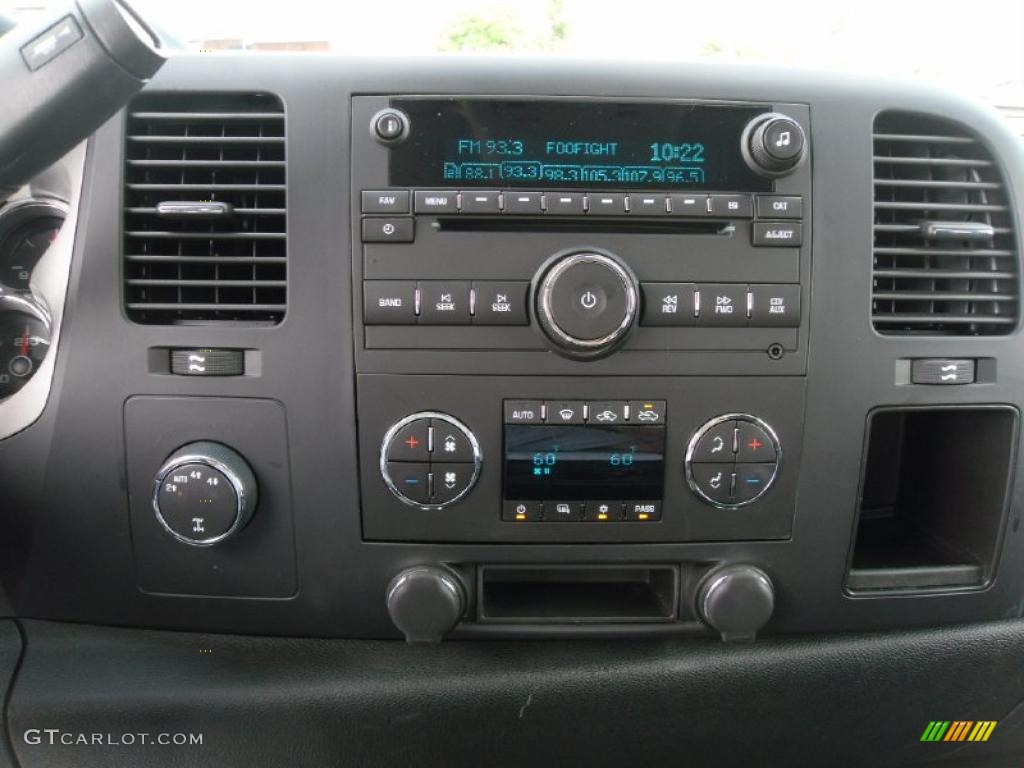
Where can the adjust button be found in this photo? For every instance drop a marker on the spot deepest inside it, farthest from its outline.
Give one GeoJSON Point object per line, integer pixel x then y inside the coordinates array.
{"type": "Point", "coordinates": [668, 304]}
{"type": "Point", "coordinates": [411, 442]}
{"type": "Point", "coordinates": [444, 302]}
{"type": "Point", "coordinates": [786, 234]}
{"type": "Point", "coordinates": [389, 302]}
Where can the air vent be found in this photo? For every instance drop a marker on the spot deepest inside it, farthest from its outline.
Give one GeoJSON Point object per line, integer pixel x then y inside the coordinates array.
{"type": "Point", "coordinates": [945, 257]}
{"type": "Point", "coordinates": [204, 217]}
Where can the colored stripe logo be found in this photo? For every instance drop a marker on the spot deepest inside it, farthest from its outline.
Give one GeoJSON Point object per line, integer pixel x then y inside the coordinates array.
{"type": "Point", "coordinates": [958, 730]}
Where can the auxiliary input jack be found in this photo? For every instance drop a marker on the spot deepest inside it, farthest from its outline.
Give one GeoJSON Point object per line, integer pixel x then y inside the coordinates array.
{"type": "Point", "coordinates": [776, 351]}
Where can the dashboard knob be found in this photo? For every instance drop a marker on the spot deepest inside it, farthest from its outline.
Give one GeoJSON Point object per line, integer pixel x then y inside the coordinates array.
{"type": "Point", "coordinates": [204, 493]}
{"type": "Point", "coordinates": [774, 144]}
{"type": "Point", "coordinates": [425, 602]}
{"type": "Point", "coordinates": [586, 303]}
{"type": "Point", "coordinates": [736, 600]}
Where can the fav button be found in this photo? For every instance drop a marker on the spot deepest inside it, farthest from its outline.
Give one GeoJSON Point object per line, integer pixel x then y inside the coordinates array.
{"type": "Point", "coordinates": [444, 302]}
{"type": "Point", "coordinates": [385, 201]}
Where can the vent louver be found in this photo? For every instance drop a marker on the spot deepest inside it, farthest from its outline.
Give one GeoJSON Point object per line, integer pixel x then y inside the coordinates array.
{"type": "Point", "coordinates": [204, 216]}
{"type": "Point", "coordinates": [945, 257]}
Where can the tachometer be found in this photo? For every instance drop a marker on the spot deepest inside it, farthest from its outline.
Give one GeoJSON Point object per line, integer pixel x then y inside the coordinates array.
{"type": "Point", "coordinates": [24, 341]}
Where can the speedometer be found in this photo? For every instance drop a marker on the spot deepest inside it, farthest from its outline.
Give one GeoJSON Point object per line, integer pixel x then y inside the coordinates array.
{"type": "Point", "coordinates": [24, 341]}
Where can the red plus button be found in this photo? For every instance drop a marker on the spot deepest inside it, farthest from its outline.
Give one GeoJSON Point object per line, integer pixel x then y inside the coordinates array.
{"type": "Point", "coordinates": [411, 442]}
{"type": "Point", "coordinates": [754, 444]}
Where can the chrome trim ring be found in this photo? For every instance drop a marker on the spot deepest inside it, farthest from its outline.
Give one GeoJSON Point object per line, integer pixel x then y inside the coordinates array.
{"type": "Point", "coordinates": [546, 312]}
{"type": "Point", "coordinates": [393, 431]}
{"type": "Point", "coordinates": [691, 447]}
{"type": "Point", "coordinates": [244, 505]}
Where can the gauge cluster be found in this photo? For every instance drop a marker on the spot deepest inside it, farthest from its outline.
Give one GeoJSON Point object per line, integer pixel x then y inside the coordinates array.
{"type": "Point", "coordinates": [27, 229]}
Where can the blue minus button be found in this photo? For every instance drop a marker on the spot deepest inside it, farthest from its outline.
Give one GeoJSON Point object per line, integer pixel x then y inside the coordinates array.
{"type": "Point", "coordinates": [753, 479]}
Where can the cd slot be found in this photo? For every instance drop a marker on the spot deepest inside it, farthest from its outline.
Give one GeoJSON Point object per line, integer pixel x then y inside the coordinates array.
{"type": "Point", "coordinates": [583, 225]}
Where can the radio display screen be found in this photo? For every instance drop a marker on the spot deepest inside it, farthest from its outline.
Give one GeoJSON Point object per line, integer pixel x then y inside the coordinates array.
{"type": "Point", "coordinates": [579, 463]}
{"type": "Point", "coordinates": [573, 144]}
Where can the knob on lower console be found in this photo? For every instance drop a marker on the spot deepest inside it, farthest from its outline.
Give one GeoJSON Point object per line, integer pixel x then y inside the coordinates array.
{"type": "Point", "coordinates": [204, 493]}
{"type": "Point", "coordinates": [736, 600]}
{"type": "Point", "coordinates": [773, 144]}
{"type": "Point", "coordinates": [425, 602]}
{"type": "Point", "coordinates": [586, 303]}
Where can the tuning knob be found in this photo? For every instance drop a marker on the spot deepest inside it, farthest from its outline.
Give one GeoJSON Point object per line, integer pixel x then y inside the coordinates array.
{"type": "Point", "coordinates": [204, 493]}
{"type": "Point", "coordinates": [773, 144]}
{"type": "Point", "coordinates": [736, 600]}
{"type": "Point", "coordinates": [425, 602]}
{"type": "Point", "coordinates": [586, 303]}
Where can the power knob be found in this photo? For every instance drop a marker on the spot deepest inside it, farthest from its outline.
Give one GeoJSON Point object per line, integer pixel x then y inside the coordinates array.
{"type": "Point", "coordinates": [204, 493]}
{"type": "Point", "coordinates": [773, 145]}
{"type": "Point", "coordinates": [736, 600]}
{"type": "Point", "coordinates": [425, 602]}
{"type": "Point", "coordinates": [586, 303]}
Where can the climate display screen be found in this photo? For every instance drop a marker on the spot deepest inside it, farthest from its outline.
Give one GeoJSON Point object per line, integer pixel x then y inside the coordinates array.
{"type": "Point", "coordinates": [572, 144]}
{"type": "Point", "coordinates": [577, 463]}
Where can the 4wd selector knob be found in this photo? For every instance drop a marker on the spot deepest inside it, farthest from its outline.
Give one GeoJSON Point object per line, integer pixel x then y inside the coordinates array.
{"type": "Point", "coordinates": [773, 144]}
{"type": "Point", "coordinates": [586, 303]}
{"type": "Point", "coordinates": [204, 493]}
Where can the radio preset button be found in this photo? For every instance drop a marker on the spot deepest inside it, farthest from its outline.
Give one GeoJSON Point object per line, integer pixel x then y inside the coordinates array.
{"type": "Point", "coordinates": [436, 202]}
{"type": "Point", "coordinates": [717, 445]}
{"type": "Point", "coordinates": [565, 203]}
{"type": "Point", "coordinates": [650, 412]}
{"type": "Point", "coordinates": [722, 304]}
{"type": "Point", "coordinates": [648, 205]}
{"type": "Point", "coordinates": [668, 304]}
{"type": "Point", "coordinates": [785, 234]}
{"type": "Point", "coordinates": [481, 201]}
{"type": "Point", "coordinates": [500, 303]}
{"type": "Point", "coordinates": [565, 412]}
{"type": "Point", "coordinates": [524, 412]}
{"type": "Point", "coordinates": [389, 302]}
{"type": "Point", "coordinates": [521, 511]}
{"type": "Point", "coordinates": [523, 203]}
{"type": "Point", "coordinates": [607, 204]}
{"type": "Point", "coordinates": [689, 205]}
{"type": "Point", "coordinates": [642, 511]}
{"type": "Point", "coordinates": [780, 207]}
{"type": "Point", "coordinates": [379, 229]}
{"type": "Point", "coordinates": [775, 305]}
{"type": "Point", "coordinates": [385, 201]}
{"type": "Point", "coordinates": [444, 302]}
{"type": "Point", "coordinates": [731, 206]}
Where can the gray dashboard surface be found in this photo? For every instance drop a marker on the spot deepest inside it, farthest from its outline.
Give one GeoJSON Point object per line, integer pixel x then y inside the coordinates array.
{"type": "Point", "coordinates": [10, 655]}
{"type": "Point", "coordinates": [858, 700]}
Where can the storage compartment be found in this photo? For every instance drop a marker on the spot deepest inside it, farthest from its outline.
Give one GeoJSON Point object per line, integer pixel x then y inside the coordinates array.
{"type": "Point", "coordinates": [577, 594]}
{"type": "Point", "coordinates": [933, 494]}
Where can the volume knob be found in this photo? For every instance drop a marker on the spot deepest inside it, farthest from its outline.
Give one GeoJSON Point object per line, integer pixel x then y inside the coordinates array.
{"type": "Point", "coordinates": [774, 144]}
